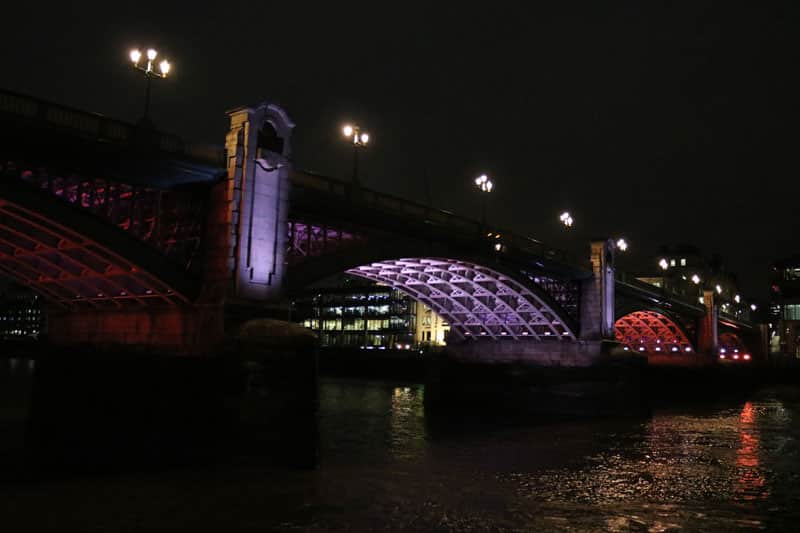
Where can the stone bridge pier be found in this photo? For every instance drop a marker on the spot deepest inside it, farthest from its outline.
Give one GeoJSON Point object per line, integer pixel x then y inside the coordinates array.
{"type": "Point", "coordinates": [585, 376]}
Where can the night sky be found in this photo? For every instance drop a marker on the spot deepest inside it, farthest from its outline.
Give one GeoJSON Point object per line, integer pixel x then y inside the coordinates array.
{"type": "Point", "coordinates": [663, 122]}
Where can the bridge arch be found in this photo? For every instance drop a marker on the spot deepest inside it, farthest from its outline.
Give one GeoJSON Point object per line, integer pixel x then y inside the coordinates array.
{"type": "Point", "coordinates": [731, 345]}
{"type": "Point", "coordinates": [652, 333]}
{"type": "Point", "coordinates": [476, 300]}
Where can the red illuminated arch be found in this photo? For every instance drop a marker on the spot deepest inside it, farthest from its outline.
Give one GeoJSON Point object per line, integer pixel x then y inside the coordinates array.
{"type": "Point", "coordinates": [730, 344]}
{"type": "Point", "coordinates": [651, 333]}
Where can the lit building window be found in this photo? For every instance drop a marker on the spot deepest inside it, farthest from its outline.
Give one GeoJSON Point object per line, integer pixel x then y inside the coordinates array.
{"type": "Point", "coordinates": [683, 261]}
{"type": "Point", "coordinates": [791, 312]}
{"type": "Point", "coordinates": [672, 262]}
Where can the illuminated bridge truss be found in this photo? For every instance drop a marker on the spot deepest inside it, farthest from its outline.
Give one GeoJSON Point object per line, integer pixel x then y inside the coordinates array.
{"type": "Point", "coordinates": [70, 270]}
{"type": "Point", "coordinates": [169, 220]}
{"type": "Point", "coordinates": [476, 301]}
{"type": "Point", "coordinates": [313, 240]}
{"type": "Point", "coordinates": [651, 333]}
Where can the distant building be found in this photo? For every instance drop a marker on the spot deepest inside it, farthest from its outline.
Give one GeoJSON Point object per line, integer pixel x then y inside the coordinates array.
{"type": "Point", "coordinates": [431, 328]}
{"type": "Point", "coordinates": [20, 313]}
{"type": "Point", "coordinates": [350, 312]}
{"type": "Point", "coordinates": [784, 306]}
{"type": "Point", "coordinates": [683, 270]}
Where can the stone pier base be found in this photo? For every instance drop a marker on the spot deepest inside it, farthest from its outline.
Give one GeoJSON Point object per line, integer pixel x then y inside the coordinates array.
{"type": "Point", "coordinates": [577, 354]}
{"type": "Point", "coordinates": [586, 378]}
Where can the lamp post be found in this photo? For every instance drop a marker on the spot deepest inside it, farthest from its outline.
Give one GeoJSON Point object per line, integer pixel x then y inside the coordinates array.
{"type": "Point", "coordinates": [359, 139]}
{"type": "Point", "coordinates": [485, 185]}
{"type": "Point", "coordinates": [150, 72]}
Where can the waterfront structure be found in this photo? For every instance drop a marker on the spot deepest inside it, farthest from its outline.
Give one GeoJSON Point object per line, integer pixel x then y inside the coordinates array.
{"type": "Point", "coordinates": [353, 313]}
{"type": "Point", "coordinates": [135, 241]}
{"type": "Point", "coordinates": [360, 315]}
{"type": "Point", "coordinates": [682, 269]}
{"type": "Point", "coordinates": [21, 313]}
{"type": "Point", "coordinates": [784, 306]}
{"type": "Point", "coordinates": [431, 328]}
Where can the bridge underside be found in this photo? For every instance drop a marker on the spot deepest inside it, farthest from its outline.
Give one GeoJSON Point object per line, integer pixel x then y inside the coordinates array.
{"type": "Point", "coordinates": [651, 333]}
{"type": "Point", "coordinates": [475, 300]}
{"type": "Point", "coordinates": [71, 270]}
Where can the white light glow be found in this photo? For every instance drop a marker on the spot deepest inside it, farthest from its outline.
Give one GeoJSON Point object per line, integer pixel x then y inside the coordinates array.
{"type": "Point", "coordinates": [663, 264]}
{"type": "Point", "coordinates": [484, 183]}
{"type": "Point", "coordinates": [136, 55]}
{"type": "Point", "coordinates": [695, 279]}
{"type": "Point", "coordinates": [348, 130]}
{"type": "Point", "coordinates": [151, 54]}
{"type": "Point", "coordinates": [164, 66]}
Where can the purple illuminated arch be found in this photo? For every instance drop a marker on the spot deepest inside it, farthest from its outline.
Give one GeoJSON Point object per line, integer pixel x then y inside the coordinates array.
{"type": "Point", "coordinates": [477, 301]}
{"type": "Point", "coordinates": [651, 333]}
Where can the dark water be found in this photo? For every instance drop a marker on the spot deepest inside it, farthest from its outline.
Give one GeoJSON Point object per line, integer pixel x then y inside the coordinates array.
{"type": "Point", "coordinates": [383, 465]}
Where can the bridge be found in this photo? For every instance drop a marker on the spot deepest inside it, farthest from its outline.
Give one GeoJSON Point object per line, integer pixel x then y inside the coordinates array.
{"type": "Point", "coordinates": [135, 239]}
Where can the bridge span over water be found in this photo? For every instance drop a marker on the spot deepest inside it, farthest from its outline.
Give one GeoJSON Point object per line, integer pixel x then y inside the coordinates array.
{"type": "Point", "coordinates": [135, 239]}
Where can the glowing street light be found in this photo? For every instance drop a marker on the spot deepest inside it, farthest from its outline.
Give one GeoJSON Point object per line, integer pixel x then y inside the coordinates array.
{"type": "Point", "coordinates": [663, 264]}
{"type": "Point", "coordinates": [359, 139]}
{"type": "Point", "coordinates": [149, 71]}
{"type": "Point", "coordinates": [753, 307]}
{"type": "Point", "coordinates": [719, 289]}
{"type": "Point", "coordinates": [622, 245]}
{"type": "Point", "coordinates": [695, 279]}
{"type": "Point", "coordinates": [737, 299]}
{"type": "Point", "coordinates": [566, 219]}
{"type": "Point", "coordinates": [485, 185]}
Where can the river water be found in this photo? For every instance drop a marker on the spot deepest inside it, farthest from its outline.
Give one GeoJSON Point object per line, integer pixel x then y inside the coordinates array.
{"type": "Point", "coordinates": [383, 465]}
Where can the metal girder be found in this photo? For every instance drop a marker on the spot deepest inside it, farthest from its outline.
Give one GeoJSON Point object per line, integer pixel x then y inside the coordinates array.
{"type": "Point", "coordinates": [652, 333]}
{"type": "Point", "coordinates": [313, 240]}
{"type": "Point", "coordinates": [70, 269]}
{"type": "Point", "coordinates": [474, 299]}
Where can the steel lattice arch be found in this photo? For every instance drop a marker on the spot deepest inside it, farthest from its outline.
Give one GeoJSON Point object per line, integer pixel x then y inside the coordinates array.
{"type": "Point", "coordinates": [652, 333]}
{"type": "Point", "coordinates": [477, 301]}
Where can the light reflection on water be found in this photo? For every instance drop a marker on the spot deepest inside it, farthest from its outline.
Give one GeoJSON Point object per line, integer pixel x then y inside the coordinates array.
{"type": "Point", "coordinates": [717, 467]}
{"type": "Point", "coordinates": [387, 464]}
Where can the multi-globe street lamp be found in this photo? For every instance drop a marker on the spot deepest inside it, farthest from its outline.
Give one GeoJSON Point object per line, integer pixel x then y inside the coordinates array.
{"type": "Point", "coordinates": [485, 185]}
{"type": "Point", "coordinates": [359, 140]}
{"type": "Point", "coordinates": [566, 219]}
{"type": "Point", "coordinates": [148, 68]}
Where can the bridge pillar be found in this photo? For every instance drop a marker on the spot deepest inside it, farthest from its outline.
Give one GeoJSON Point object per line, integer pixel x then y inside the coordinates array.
{"type": "Point", "coordinates": [257, 197]}
{"type": "Point", "coordinates": [597, 294]}
{"type": "Point", "coordinates": [707, 333]}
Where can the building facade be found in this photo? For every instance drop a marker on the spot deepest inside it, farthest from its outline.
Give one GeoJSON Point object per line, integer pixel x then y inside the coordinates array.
{"type": "Point", "coordinates": [21, 313]}
{"type": "Point", "coordinates": [784, 307]}
{"type": "Point", "coordinates": [354, 313]}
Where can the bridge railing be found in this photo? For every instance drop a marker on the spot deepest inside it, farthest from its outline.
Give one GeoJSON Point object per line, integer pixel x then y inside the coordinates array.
{"type": "Point", "coordinates": [171, 221]}
{"type": "Point", "coordinates": [401, 207]}
{"type": "Point", "coordinates": [86, 124]}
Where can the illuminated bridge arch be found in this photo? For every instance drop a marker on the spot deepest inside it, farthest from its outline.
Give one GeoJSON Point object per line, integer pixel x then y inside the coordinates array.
{"type": "Point", "coordinates": [730, 345]}
{"type": "Point", "coordinates": [651, 333]}
{"type": "Point", "coordinates": [477, 301]}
